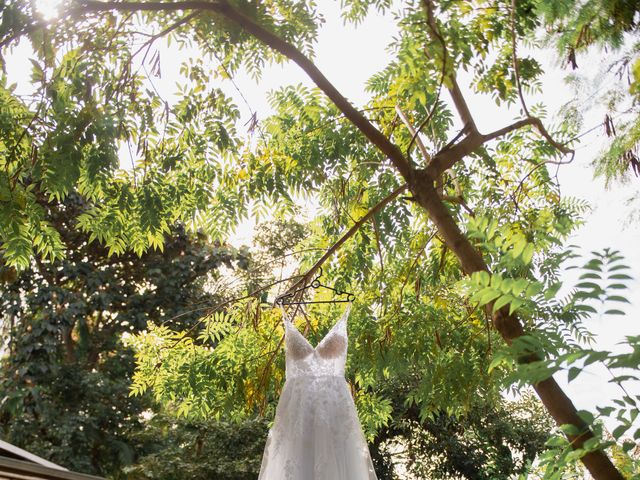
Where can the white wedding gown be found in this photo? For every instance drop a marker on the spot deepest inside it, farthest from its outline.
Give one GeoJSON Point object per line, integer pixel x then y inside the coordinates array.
{"type": "Point", "coordinates": [316, 434]}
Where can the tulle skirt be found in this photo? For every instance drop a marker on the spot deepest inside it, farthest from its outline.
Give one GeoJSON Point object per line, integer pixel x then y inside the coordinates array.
{"type": "Point", "coordinates": [316, 434]}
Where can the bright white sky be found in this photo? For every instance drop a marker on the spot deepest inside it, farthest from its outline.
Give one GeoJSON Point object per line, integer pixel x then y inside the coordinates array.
{"type": "Point", "coordinates": [349, 56]}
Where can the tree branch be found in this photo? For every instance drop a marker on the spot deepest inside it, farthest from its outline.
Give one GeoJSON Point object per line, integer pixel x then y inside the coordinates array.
{"type": "Point", "coordinates": [164, 32]}
{"type": "Point", "coordinates": [350, 233]}
{"type": "Point", "coordinates": [509, 128]}
{"type": "Point", "coordinates": [447, 158]}
{"type": "Point", "coordinates": [514, 58]}
{"type": "Point", "coordinates": [547, 136]}
{"type": "Point", "coordinates": [536, 122]}
{"type": "Point", "coordinates": [454, 90]}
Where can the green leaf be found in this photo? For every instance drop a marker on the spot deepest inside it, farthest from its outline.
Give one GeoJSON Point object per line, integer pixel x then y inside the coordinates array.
{"type": "Point", "coordinates": [590, 275]}
{"type": "Point", "coordinates": [573, 373]}
{"type": "Point", "coordinates": [591, 444]}
{"type": "Point", "coordinates": [623, 378]}
{"type": "Point", "coordinates": [515, 304]}
{"type": "Point", "coordinates": [587, 416]}
{"type": "Point", "coordinates": [585, 308]}
{"type": "Point", "coordinates": [502, 301]}
{"type": "Point", "coordinates": [519, 247]}
{"type": "Point", "coordinates": [552, 290]}
{"type": "Point", "coordinates": [619, 431]}
{"type": "Point", "coordinates": [527, 255]}
{"type": "Point", "coordinates": [605, 411]}
{"type": "Point", "coordinates": [616, 298]}
{"type": "Point", "coordinates": [618, 267]}
{"type": "Point", "coordinates": [533, 289]}
{"type": "Point", "coordinates": [556, 441]}
{"type": "Point", "coordinates": [569, 429]}
{"type": "Point", "coordinates": [628, 445]}
{"type": "Point", "coordinates": [483, 278]}
{"type": "Point", "coordinates": [519, 286]}
{"type": "Point", "coordinates": [594, 264]}
{"type": "Point", "coordinates": [498, 359]}
{"type": "Point", "coordinates": [489, 295]}
{"type": "Point", "coordinates": [620, 276]}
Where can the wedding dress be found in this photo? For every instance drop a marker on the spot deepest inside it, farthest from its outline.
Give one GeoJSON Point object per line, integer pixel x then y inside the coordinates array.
{"type": "Point", "coordinates": [316, 434]}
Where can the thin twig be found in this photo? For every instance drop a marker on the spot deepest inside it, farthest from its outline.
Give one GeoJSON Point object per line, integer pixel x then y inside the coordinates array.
{"type": "Point", "coordinates": [414, 136]}
{"type": "Point", "coordinates": [376, 230]}
{"type": "Point", "coordinates": [406, 279]}
{"type": "Point", "coordinates": [349, 233]}
{"type": "Point", "coordinates": [164, 32]}
{"type": "Point", "coordinates": [219, 306]}
{"type": "Point", "coordinates": [514, 58]}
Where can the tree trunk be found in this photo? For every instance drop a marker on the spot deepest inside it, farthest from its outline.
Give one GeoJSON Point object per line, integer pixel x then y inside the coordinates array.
{"type": "Point", "coordinates": [559, 406]}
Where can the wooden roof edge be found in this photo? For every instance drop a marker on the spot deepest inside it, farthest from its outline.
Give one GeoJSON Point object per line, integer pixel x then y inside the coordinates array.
{"type": "Point", "coordinates": [10, 465]}
{"type": "Point", "coordinates": [27, 456]}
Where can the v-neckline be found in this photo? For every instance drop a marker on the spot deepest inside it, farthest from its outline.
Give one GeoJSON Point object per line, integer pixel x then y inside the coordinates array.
{"type": "Point", "coordinates": [315, 349]}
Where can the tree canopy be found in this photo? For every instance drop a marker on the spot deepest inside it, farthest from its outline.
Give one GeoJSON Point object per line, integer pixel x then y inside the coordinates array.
{"type": "Point", "coordinates": [452, 239]}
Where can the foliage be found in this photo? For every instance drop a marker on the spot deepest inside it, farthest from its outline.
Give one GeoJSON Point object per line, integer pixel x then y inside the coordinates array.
{"type": "Point", "coordinates": [65, 376]}
{"type": "Point", "coordinates": [575, 28]}
{"type": "Point", "coordinates": [416, 321]}
{"type": "Point", "coordinates": [565, 343]}
{"type": "Point", "coordinates": [579, 25]}
{"type": "Point", "coordinates": [92, 97]}
{"type": "Point", "coordinates": [183, 450]}
{"type": "Point", "coordinates": [492, 440]}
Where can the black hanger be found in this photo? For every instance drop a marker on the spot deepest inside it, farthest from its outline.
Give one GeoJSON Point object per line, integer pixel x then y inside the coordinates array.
{"type": "Point", "coordinates": [290, 297]}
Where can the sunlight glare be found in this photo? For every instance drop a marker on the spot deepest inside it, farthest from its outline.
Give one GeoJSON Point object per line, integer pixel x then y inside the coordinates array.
{"type": "Point", "coordinates": [49, 9]}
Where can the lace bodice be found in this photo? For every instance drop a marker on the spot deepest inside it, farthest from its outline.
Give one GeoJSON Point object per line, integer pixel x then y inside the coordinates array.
{"type": "Point", "coordinates": [326, 359]}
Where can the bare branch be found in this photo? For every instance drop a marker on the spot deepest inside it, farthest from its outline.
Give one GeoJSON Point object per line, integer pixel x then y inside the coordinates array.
{"type": "Point", "coordinates": [414, 133]}
{"type": "Point", "coordinates": [509, 128]}
{"type": "Point", "coordinates": [350, 233]}
{"type": "Point", "coordinates": [447, 158]}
